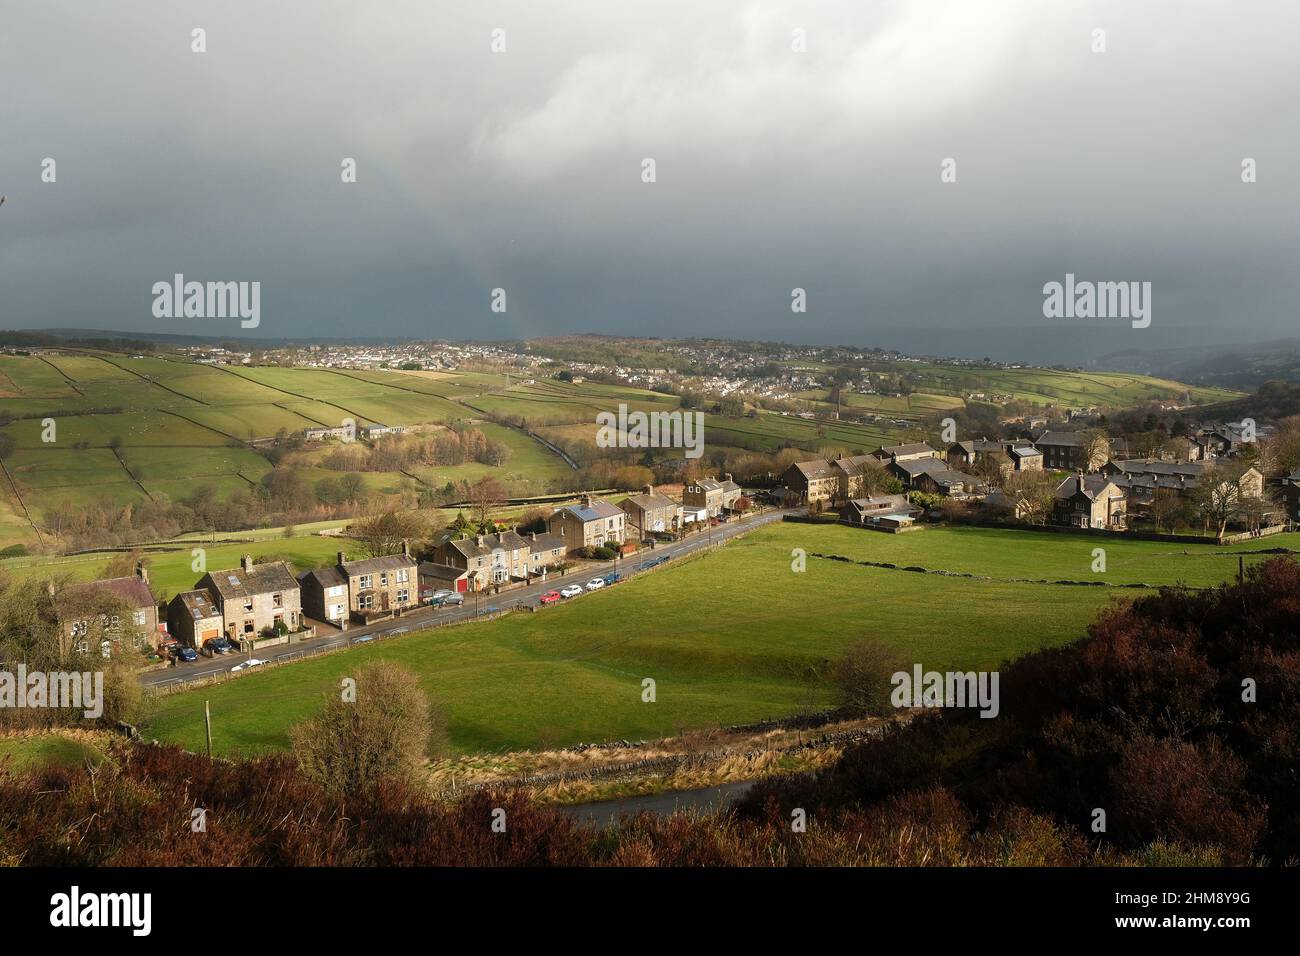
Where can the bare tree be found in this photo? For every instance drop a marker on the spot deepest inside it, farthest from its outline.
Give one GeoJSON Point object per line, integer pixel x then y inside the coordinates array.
{"type": "Point", "coordinates": [486, 496]}
{"type": "Point", "coordinates": [384, 533]}
{"type": "Point", "coordinates": [861, 678]}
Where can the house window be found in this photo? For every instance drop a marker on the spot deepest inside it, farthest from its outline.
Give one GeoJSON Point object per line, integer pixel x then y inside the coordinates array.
{"type": "Point", "coordinates": [139, 618]}
{"type": "Point", "coordinates": [403, 575]}
{"type": "Point", "coordinates": [366, 602]}
{"type": "Point", "coordinates": [365, 581]}
{"type": "Point", "coordinates": [403, 595]}
{"type": "Point", "coordinates": [248, 606]}
{"type": "Point", "coordinates": [383, 579]}
{"type": "Point", "coordinates": [277, 600]}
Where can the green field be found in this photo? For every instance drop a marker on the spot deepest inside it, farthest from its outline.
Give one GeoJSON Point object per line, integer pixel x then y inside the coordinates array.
{"type": "Point", "coordinates": [23, 751]}
{"type": "Point", "coordinates": [730, 637]}
{"type": "Point", "coordinates": [131, 430]}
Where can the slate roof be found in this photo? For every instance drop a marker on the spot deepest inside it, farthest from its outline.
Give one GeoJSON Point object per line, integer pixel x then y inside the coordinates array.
{"type": "Point", "coordinates": [259, 579]}
{"type": "Point", "coordinates": [910, 448]}
{"type": "Point", "coordinates": [324, 577]}
{"type": "Point", "coordinates": [814, 469]}
{"type": "Point", "coordinates": [921, 466]}
{"type": "Point", "coordinates": [652, 502]}
{"type": "Point", "coordinates": [1151, 466]}
{"type": "Point", "coordinates": [441, 572]}
{"type": "Point", "coordinates": [133, 589]}
{"type": "Point", "coordinates": [598, 509]}
{"type": "Point", "coordinates": [1024, 451]}
{"type": "Point", "coordinates": [503, 541]}
{"type": "Point", "coordinates": [1061, 439]}
{"type": "Point", "coordinates": [546, 542]}
{"type": "Point", "coordinates": [198, 604]}
{"type": "Point", "coordinates": [385, 562]}
{"type": "Point", "coordinates": [1091, 486]}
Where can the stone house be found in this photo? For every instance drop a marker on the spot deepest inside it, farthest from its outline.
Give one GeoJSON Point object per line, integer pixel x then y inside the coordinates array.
{"type": "Point", "coordinates": [712, 494]}
{"type": "Point", "coordinates": [193, 617]}
{"type": "Point", "coordinates": [380, 587]}
{"type": "Point", "coordinates": [254, 597]}
{"type": "Point", "coordinates": [1090, 501]}
{"type": "Point", "coordinates": [115, 615]}
{"type": "Point", "coordinates": [649, 512]}
{"type": "Point", "coordinates": [592, 523]}
{"type": "Point", "coordinates": [807, 481]}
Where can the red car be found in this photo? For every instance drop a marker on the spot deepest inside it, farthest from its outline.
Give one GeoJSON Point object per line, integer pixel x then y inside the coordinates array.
{"type": "Point", "coordinates": [550, 597]}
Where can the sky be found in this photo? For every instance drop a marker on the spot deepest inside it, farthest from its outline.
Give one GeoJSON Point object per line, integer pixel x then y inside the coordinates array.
{"type": "Point", "coordinates": [775, 168]}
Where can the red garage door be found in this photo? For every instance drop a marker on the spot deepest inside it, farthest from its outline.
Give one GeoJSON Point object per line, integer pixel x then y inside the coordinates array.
{"type": "Point", "coordinates": [462, 584]}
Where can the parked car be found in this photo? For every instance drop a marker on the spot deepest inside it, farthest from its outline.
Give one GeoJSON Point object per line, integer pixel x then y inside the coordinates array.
{"type": "Point", "coordinates": [550, 597]}
{"type": "Point", "coordinates": [613, 577]}
{"type": "Point", "coordinates": [437, 597]}
{"type": "Point", "coordinates": [452, 599]}
{"type": "Point", "coordinates": [363, 639]}
{"type": "Point", "coordinates": [245, 665]}
{"type": "Point", "coordinates": [595, 584]}
{"type": "Point", "coordinates": [573, 590]}
{"type": "Point", "coordinates": [183, 653]}
{"type": "Point", "coordinates": [218, 645]}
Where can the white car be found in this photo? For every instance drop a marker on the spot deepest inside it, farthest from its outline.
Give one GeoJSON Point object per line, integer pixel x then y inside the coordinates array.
{"type": "Point", "coordinates": [595, 584]}
{"type": "Point", "coordinates": [251, 662]}
{"type": "Point", "coordinates": [572, 590]}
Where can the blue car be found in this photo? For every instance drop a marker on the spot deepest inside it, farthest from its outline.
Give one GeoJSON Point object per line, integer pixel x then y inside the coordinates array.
{"type": "Point", "coordinates": [183, 653]}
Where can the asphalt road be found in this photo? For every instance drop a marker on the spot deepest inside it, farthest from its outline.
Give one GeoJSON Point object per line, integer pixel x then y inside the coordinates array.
{"type": "Point", "coordinates": [426, 618]}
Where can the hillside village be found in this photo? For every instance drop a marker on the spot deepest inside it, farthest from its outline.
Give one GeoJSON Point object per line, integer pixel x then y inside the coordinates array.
{"type": "Point", "coordinates": [261, 604]}
{"type": "Point", "coordinates": [1077, 480]}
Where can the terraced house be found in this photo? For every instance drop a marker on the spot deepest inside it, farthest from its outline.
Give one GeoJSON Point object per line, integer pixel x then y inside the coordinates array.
{"type": "Point", "coordinates": [649, 512]}
{"type": "Point", "coordinates": [380, 587]}
{"type": "Point", "coordinates": [711, 494]}
{"type": "Point", "coordinates": [193, 618]}
{"type": "Point", "coordinates": [254, 598]}
{"type": "Point", "coordinates": [592, 523]}
{"type": "Point", "coordinates": [1072, 451]}
{"type": "Point", "coordinates": [812, 481]}
{"type": "Point", "coordinates": [113, 615]}
{"type": "Point", "coordinates": [491, 559]}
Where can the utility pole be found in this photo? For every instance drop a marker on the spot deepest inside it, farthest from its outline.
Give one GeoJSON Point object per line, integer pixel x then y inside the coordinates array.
{"type": "Point", "coordinates": [207, 726]}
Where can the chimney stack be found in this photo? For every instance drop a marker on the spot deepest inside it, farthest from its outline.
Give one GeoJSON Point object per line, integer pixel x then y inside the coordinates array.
{"type": "Point", "coordinates": [342, 557]}
{"type": "Point", "coordinates": [406, 547]}
{"type": "Point", "coordinates": [246, 562]}
{"type": "Point", "coordinates": [478, 539]}
{"type": "Point", "coordinates": [141, 572]}
{"type": "Point", "coordinates": [649, 489]}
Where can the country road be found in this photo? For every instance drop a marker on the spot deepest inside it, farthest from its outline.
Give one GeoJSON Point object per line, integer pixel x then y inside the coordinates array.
{"type": "Point", "coordinates": [426, 618]}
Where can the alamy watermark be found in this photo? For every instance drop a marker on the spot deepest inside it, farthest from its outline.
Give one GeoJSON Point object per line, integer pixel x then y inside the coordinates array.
{"type": "Point", "coordinates": [179, 299]}
{"type": "Point", "coordinates": [1098, 300]}
{"type": "Point", "coordinates": [920, 688]}
{"type": "Point", "coordinates": [651, 430]}
{"type": "Point", "coordinates": [74, 690]}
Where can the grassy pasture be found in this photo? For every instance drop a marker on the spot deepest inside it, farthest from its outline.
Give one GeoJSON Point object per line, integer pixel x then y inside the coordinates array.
{"type": "Point", "coordinates": [730, 637]}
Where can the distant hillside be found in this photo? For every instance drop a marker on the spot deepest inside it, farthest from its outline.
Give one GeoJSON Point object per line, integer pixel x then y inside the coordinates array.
{"type": "Point", "coordinates": [1237, 366]}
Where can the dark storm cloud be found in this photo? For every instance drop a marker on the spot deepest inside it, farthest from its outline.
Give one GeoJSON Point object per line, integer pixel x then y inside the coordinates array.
{"type": "Point", "coordinates": [522, 169]}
